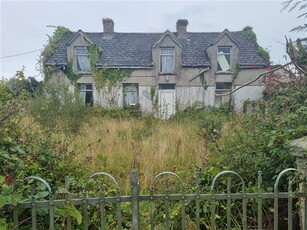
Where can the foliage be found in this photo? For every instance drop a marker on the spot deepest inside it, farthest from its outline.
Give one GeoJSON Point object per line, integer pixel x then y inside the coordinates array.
{"type": "Point", "coordinates": [57, 108]}
{"type": "Point", "coordinates": [154, 99]}
{"type": "Point", "coordinates": [302, 6]}
{"type": "Point", "coordinates": [29, 85]}
{"type": "Point", "coordinates": [250, 34]}
{"type": "Point", "coordinates": [104, 77]}
{"type": "Point", "coordinates": [52, 43]}
{"type": "Point", "coordinates": [49, 50]}
{"type": "Point", "coordinates": [301, 52]}
{"type": "Point", "coordinates": [114, 113]}
{"type": "Point", "coordinates": [26, 149]}
{"type": "Point", "coordinates": [236, 73]}
{"type": "Point", "coordinates": [70, 73]}
{"type": "Point", "coordinates": [263, 53]}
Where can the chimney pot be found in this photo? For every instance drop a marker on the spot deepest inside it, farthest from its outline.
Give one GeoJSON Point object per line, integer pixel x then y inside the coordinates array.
{"type": "Point", "coordinates": [181, 27]}
{"type": "Point", "coordinates": [108, 27]}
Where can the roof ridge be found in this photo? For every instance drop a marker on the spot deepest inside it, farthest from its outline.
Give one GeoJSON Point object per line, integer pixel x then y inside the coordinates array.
{"type": "Point", "coordinates": [174, 32]}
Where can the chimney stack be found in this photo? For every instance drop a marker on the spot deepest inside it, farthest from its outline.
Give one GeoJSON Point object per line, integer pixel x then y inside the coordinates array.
{"type": "Point", "coordinates": [108, 27]}
{"type": "Point", "coordinates": [181, 27]}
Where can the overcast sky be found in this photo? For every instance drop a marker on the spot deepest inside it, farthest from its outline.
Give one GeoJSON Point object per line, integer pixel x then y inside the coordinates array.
{"type": "Point", "coordinates": [23, 23]}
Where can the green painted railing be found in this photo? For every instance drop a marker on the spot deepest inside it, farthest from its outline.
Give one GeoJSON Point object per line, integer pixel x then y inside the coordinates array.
{"type": "Point", "coordinates": [166, 180]}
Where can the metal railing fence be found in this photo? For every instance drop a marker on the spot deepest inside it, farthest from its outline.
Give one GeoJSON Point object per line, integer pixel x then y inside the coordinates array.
{"type": "Point", "coordinates": [201, 210]}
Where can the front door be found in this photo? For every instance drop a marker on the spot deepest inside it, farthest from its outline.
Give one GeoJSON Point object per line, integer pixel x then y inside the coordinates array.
{"type": "Point", "coordinates": [167, 100]}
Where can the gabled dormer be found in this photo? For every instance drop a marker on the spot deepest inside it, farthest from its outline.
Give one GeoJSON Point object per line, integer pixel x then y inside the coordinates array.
{"type": "Point", "coordinates": [78, 52]}
{"type": "Point", "coordinates": [167, 54]}
{"type": "Point", "coordinates": [223, 52]}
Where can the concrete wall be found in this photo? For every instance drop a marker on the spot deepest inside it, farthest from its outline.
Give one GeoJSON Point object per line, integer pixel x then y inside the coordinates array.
{"type": "Point", "coordinates": [248, 92]}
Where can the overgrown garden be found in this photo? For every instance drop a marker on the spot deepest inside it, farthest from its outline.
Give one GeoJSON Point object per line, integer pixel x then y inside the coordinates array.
{"type": "Point", "coordinates": [47, 132]}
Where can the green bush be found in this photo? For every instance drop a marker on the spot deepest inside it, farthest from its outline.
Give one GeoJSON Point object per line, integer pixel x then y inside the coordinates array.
{"type": "Point", "coordinates": [57, 108]}
{"type": "Point", "coordinates": [208, 119]}
{"type": "Point", "coordinates": [27, 149]}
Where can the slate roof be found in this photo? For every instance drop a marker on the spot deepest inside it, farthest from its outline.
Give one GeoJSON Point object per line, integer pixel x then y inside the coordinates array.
{"type": "Point", "coordinates": [134, 49]}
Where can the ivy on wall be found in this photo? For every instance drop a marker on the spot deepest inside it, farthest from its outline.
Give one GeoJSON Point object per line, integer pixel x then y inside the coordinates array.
{"type": "Point", "coordinates": [70, 73]}
{"type": "Point", "coordinates": [236, 74]}
{"type": "Point", "coordinates": [154, 98]}
{"type": "Point", "coordinates": [203, 81]}
{"type": "Point", "coordinates": [105, 77]}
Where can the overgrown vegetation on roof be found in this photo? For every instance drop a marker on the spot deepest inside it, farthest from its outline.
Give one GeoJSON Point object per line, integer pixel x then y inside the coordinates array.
{"type": "Point", "coordinates": [52, 43]}
{"type": "Point", "coordinates": [251, 35]}
{"type": "Point", "coordinates": [49, 50]}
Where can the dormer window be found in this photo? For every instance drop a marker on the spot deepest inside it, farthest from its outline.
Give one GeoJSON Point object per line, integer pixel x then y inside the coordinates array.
{"type": "Point", "coordinates": [82, 60]}
{"type": "Point", "coordinates": [167, 60]}
{"type": "Point", "coordinates": [223, 58]}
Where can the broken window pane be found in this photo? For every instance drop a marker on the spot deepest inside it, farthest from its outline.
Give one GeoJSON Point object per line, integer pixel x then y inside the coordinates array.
{"type": "Point", "coordinates": [223, 58]}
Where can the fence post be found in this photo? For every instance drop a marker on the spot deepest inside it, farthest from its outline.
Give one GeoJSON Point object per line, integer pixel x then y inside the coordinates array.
{"type": "Point", "coordinates": [135, 192]}
{"type": "Point", "coordinates": [299, 150]}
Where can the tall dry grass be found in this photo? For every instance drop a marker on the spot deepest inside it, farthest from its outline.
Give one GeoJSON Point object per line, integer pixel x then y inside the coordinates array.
{"type": "Point", "coordinates": [150, 146]}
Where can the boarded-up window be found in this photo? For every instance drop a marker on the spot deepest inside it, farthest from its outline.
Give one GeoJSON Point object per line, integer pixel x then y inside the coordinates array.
{"type": "Point", "coordinates": [82, 61]}
{"type": "Point", "coordinates": [167, 60]}
{"type": "Point", "coordinates": [86, 92]}
{"type": "Point", "coordinates": [221, 88]}
{"type": "Point", "coordinates": [131, 94]}
{"type": "Point", "coordinates": [223, 58]}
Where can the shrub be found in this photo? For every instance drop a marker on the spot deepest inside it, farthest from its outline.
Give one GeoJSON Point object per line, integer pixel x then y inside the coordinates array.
{"type": "Point", "coordinates": [57, 108]}
{"type": "Point", "coordinates": [27, 149]}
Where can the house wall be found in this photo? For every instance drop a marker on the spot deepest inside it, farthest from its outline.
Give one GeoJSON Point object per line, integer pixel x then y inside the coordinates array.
{"type": "Point", "coordinates": [191, 89]}
{"type": "Point", "coordinates": [214, 75]}
{"type": "Point", "coordinates": [79, 41]}
{"type": "Point", "coordinates": [246, 75]}
{"type": "Point", "coordinates": [58, 77]}
{"type": "Point", "coordinates": [250, 92]}
{"type": "Point", "coordinates": [167, 41]}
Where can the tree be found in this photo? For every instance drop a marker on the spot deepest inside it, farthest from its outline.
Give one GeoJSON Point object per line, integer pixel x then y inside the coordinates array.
{"type": "Point", "coordinates": [301, 5]}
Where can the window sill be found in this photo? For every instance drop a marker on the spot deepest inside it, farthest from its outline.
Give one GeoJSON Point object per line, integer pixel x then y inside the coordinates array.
{"type": "Point", "coordinates": [83, 72]}
{"type": "Point", "coordinates": [223, 73]}
{"type": "Point", "coordinates": [167, 73]}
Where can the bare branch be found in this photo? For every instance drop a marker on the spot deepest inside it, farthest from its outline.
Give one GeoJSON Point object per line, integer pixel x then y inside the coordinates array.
{"type": "Point", "coordinates": [255, 79]}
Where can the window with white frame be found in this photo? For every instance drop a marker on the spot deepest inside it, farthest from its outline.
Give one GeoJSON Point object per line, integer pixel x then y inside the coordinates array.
{"type": "Point", "coordinates": [82, 60]}
{"type": "Point", "coordinates": [86, 92]}
{"type": "Point", "coordinates": [131, 94]}
{"type": "Point", "coordinates": [223, 58]}
{"type": "Point", "coordinates": [167, 60]}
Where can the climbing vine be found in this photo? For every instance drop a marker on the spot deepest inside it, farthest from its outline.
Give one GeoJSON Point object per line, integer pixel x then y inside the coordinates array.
{"type": "Point", "coordinates": [105, 77]}
{"type": "Point", "coordinates": [53, 43]}
{"type": "Point", "coordinates": [236, 74]}
{"type": "Point", "coordinates": [47, 73]}
{"type": "Point", "coordinates": [49, 50]}
{"type": "Point", "coordinates": [203, 81]}
{"type": "Point", "coordinates": [154, 98]}
{"type": "Point", "coordinates": [69, 72]}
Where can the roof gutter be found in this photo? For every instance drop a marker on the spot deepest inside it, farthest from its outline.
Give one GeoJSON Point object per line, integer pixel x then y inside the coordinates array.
{"type": "Point", "coordinates": [252, 66]}
{"type": "Point", "coordinates": [125, 67]}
